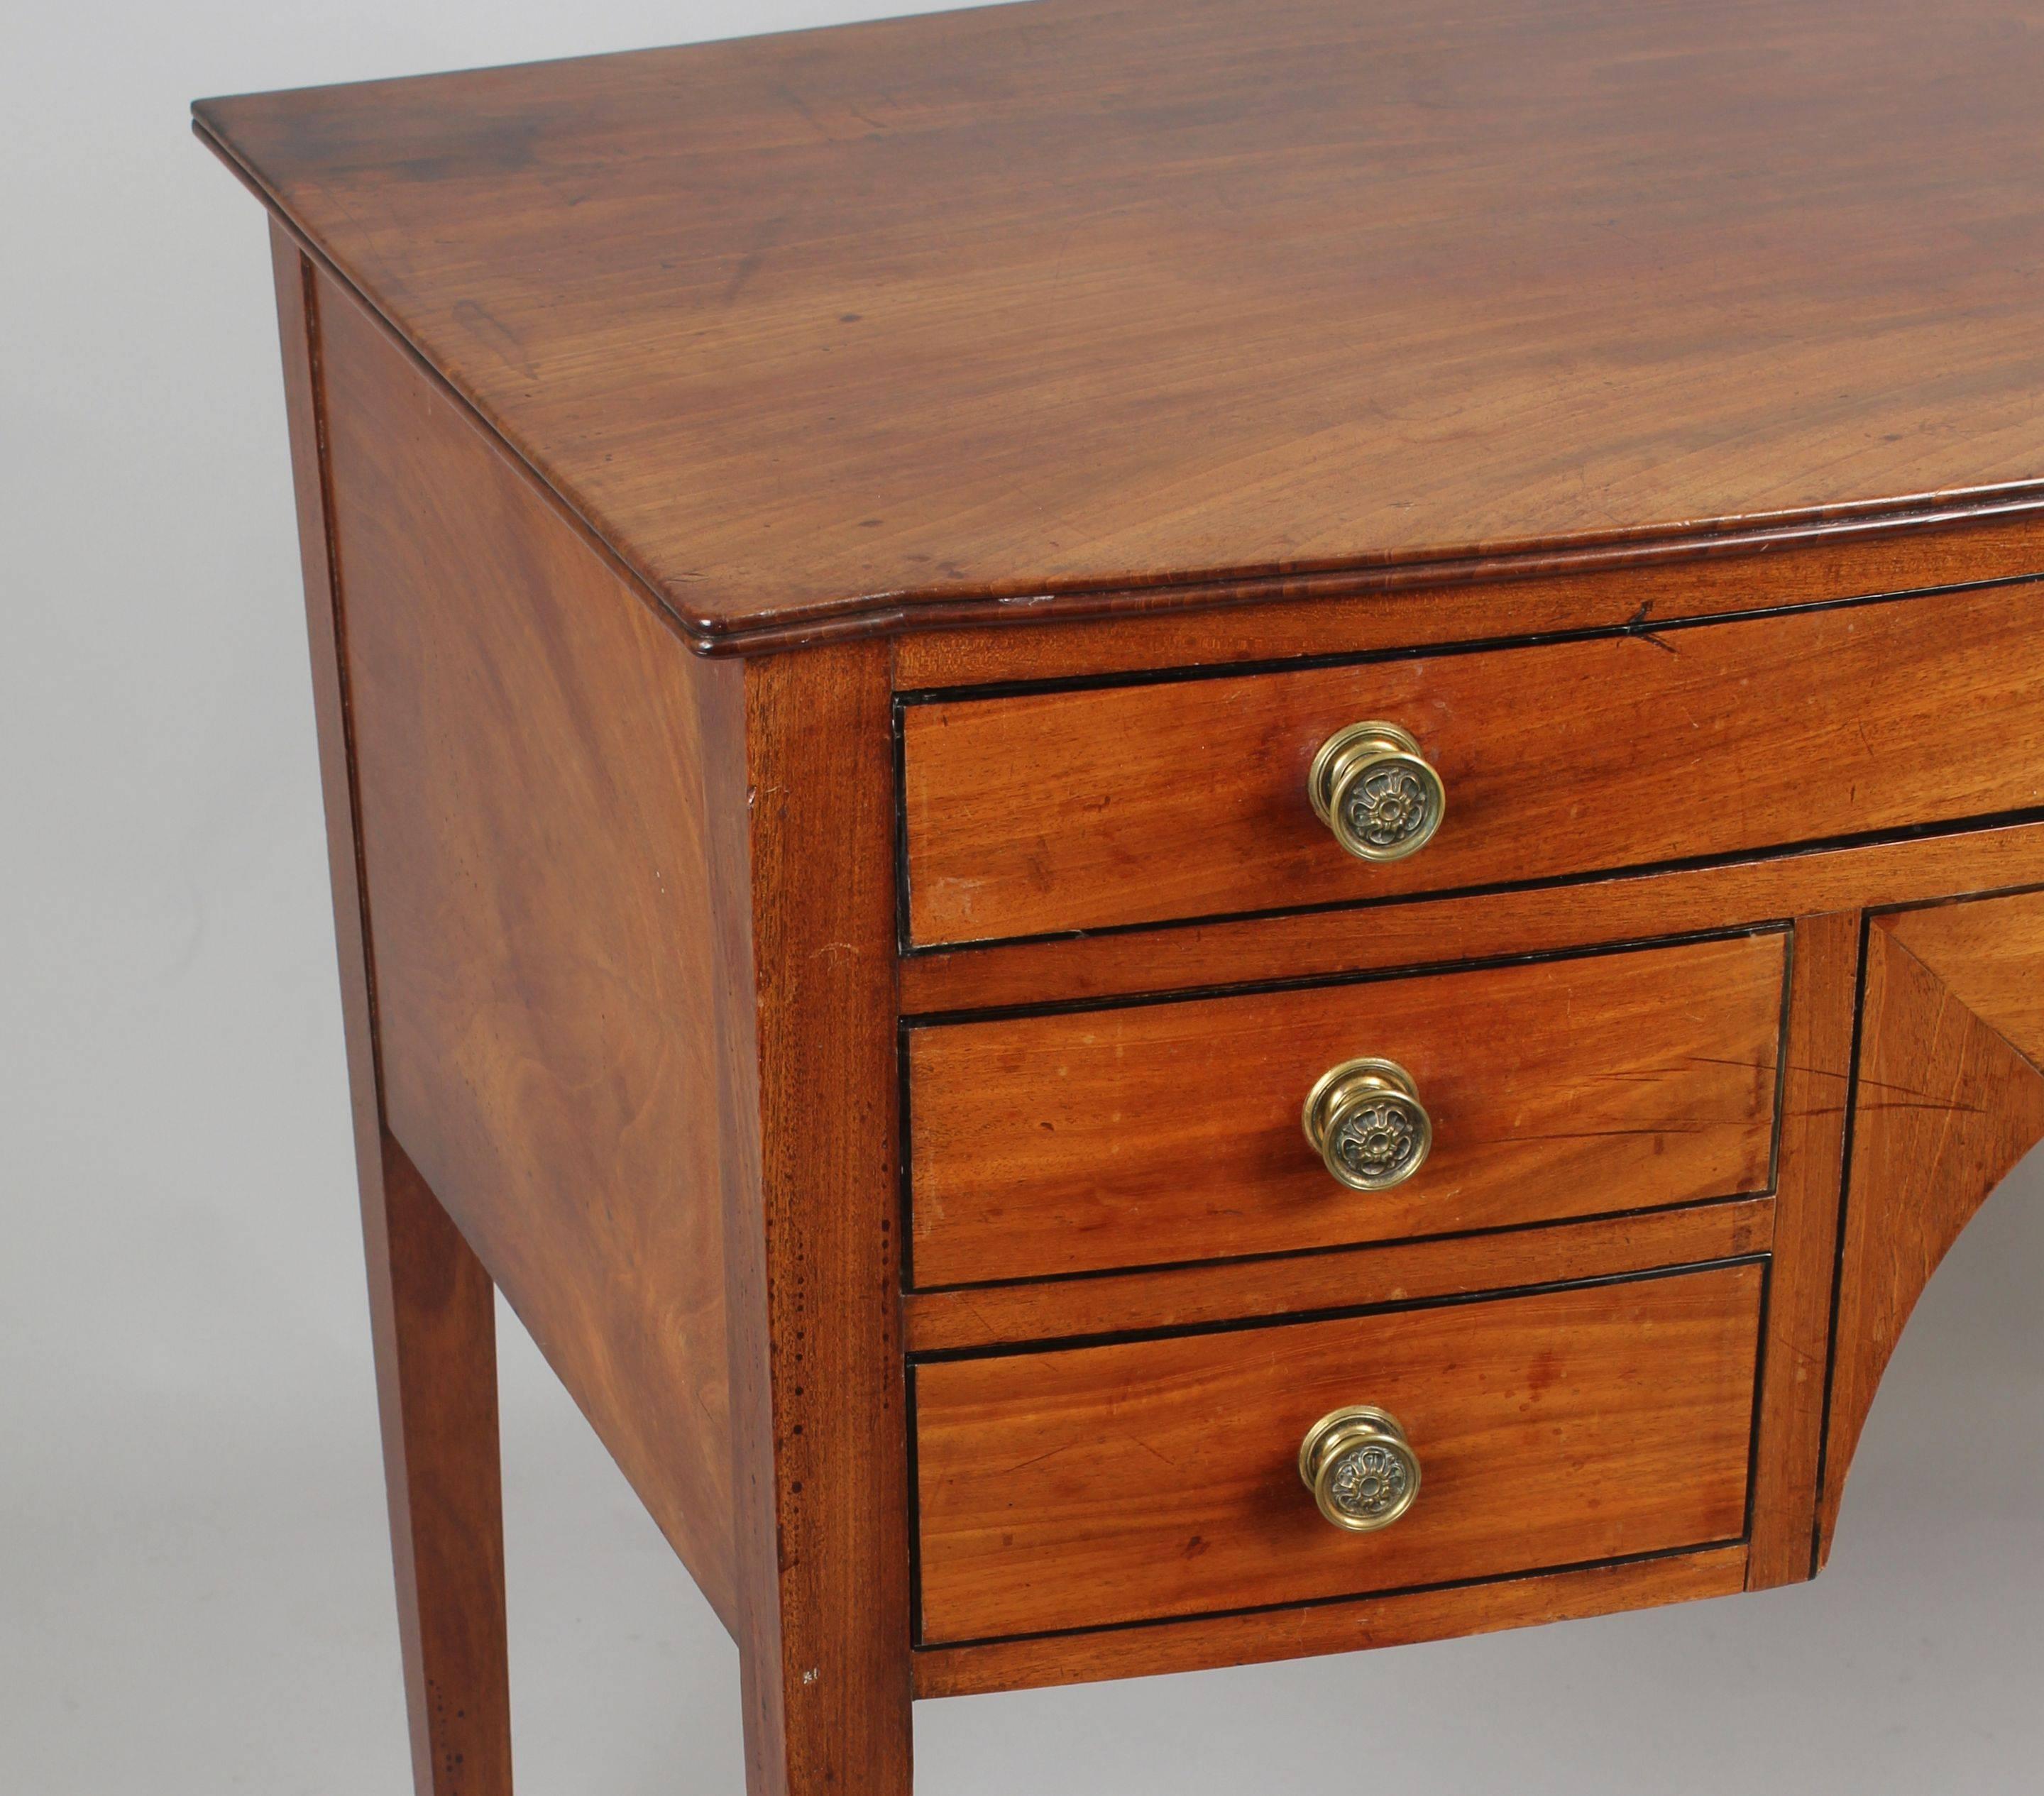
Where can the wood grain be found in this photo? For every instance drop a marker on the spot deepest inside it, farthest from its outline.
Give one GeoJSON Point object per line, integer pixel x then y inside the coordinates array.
{"type": "Point", "coordinates": [1945, 1107]}
{"type": "Point", "coordinates": [1566, 361]}
{"type": "Point", "coordinates": [1370, 1622]}
{"type": "Point", "coordinates": [1145, 1135]}
{"type": "Point", "coordinates": [432, 1311]}
{"type": "Point", "coordinates": [1109, 1484]}
{"type": "Point", "coordinates": [821, 1389]}
{"type": "Point", "coordinates": [1435, 932]}
{"type": "Point", "coordinates": [1402, 1272]}
{"type": "Point", "coordinates": [1989, 954]}
{"type": "Point", "coordinates": [1359, 613]}
{"type": "Point", "coordinates": [433, 1314]}
{"type": "Point", "coordinates": [300, 334]}
{"type": "Point", "coordinates": [643, 1031]}
{"type": "Point", "coordinates": [1824, 1005]}
{"type": "Point", "coordinates": [532, 746]}
{"type": "Point", "coordinates": [944, 313]}
{"type": "Point", "coordinates": [1111, 806]}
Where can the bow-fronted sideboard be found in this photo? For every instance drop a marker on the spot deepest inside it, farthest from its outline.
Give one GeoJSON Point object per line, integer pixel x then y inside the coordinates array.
{"type": "Point", "coordinates": [1193, 833]}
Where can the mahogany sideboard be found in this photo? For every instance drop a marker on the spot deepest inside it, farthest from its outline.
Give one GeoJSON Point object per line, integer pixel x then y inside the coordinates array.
{"type": "Point", "coordinates": [1193, 832]}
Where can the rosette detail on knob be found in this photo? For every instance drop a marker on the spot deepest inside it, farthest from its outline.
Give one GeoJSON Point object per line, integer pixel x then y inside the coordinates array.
{"type": "Point", "coordinates": [1365, 1119]}
{"type": "Point", "coordinates": [1372, 787]}
{"type": "Point", "coordinates": [1361, 1468]}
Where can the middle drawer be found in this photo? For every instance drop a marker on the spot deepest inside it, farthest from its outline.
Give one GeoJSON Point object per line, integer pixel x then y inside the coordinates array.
{"type": "Point", "coordinates": [1168, 1132]}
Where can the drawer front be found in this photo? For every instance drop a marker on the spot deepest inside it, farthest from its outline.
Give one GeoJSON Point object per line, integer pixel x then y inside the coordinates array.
{"type": "Point", "coordinates": [1166, 1133]}
{"type": "Point", "coordinates": [1099, 1485]}
{"type": "Point", "coordinates": [1088, 809]}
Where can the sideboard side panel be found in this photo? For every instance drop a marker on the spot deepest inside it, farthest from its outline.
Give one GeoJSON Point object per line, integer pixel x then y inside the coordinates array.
{"type": "Point", "coordinates": [534, 754]}
{"type": "Point", "coordinates": [432, 1313]}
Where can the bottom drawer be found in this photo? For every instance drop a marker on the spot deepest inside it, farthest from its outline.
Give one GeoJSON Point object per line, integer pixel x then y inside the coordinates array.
{"type": "Point", "coordinates": [1086, 1486]}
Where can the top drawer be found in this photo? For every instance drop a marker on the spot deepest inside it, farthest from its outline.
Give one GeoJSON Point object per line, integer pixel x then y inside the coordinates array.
{"type": "Point", "coordinates": [1091, 808]}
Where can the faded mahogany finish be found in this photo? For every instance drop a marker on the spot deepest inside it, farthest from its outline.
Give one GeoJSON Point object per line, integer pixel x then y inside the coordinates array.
{"type": "Point", "coordinates": [919, 318]}
{"type": "Point", "coordinates": [540, 1060]}
{"type": "Point", "coordinates": [1081, 1487]}
{"type": "Point", "coordinates": [1171, 1132]}
{"type": "Point", "coordinates": [1118, 805]}
{"type": "Point", "coordinates": [828, 559]}
{"type": "Point", "coordinates": [571, 1047]}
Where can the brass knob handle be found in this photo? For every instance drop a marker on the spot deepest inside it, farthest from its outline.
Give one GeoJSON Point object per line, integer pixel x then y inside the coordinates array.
{"type": "Point", "coordinates": [1372, 787]}
{"type": "Point", "coordinates": [1361, 1468]}
{"type": "Point", "coordinates": [1365, 1120]}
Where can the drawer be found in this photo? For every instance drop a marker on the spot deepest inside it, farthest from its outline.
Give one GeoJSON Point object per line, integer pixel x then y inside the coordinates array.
{"type": "Point", "coordinates": [1108, 806]}
{"type": "Point", "coordinates": [1113, 1483]}
{"type": "Point", "coordinates": [1161, 1133]}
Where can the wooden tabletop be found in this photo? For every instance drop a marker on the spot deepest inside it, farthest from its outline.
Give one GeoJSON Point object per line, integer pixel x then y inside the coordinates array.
{"type": "Point", "coordinates": [929, 318]}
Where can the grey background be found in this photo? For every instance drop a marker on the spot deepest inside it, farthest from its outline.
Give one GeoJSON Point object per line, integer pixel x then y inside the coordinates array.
{"type": "Point", "coordinates": [194, 1589]}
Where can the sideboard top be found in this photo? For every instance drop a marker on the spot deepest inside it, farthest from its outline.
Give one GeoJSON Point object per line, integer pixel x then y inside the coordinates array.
{"type": "Point", "coordinates": [1113, 300]}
